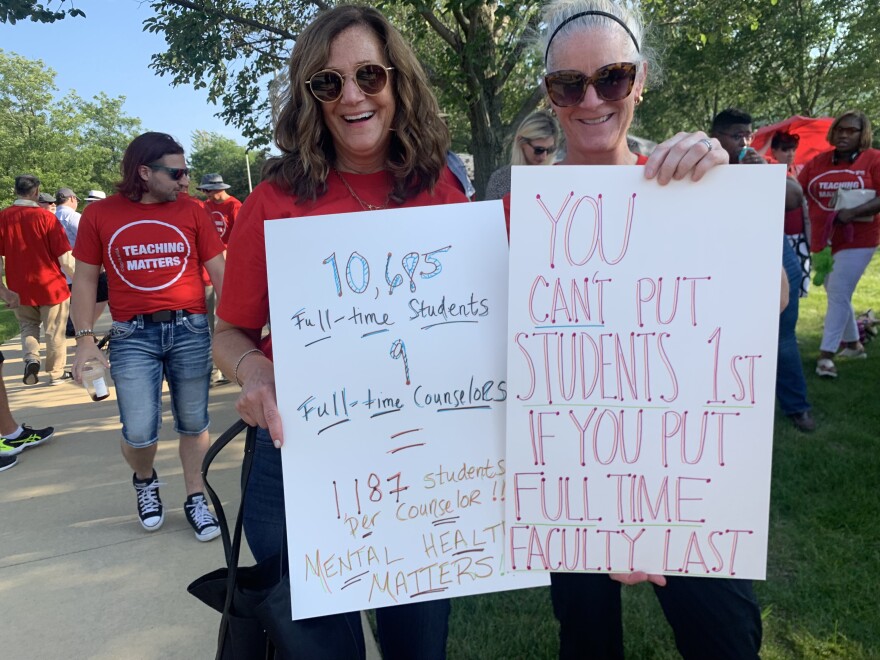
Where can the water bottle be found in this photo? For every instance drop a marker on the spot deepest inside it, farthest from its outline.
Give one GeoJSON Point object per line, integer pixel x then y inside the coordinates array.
{"type": "Point", "coordinates": [94, 379]}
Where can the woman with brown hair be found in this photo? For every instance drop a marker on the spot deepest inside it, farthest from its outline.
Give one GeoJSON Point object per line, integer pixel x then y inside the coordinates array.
{"type": "Point", "coordinates": [358, 129]}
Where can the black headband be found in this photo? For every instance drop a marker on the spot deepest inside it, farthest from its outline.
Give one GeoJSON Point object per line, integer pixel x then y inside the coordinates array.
{"type": "Point", "coordinates": [591, 13]}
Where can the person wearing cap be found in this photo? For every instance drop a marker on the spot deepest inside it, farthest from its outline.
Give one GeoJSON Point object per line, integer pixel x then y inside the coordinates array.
{"type": "Point", "coordinates": [153, 243]}
{"type": "Point", "coordinates": [67, 203]}
{"type": "Point", "coordinates": [46, 201]}
{"type": "Point", "coordinates": [95, 196]}
{"type": "Point", "coordinates": [223, 208]}
{"type": "Point", "coordinates": [37, 258]}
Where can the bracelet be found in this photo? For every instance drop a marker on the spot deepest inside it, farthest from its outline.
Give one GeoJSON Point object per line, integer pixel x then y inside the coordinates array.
{"type": "Point", "coordinates": [84, 333]}
{"type": "Point", "coordinates": [238, 364]}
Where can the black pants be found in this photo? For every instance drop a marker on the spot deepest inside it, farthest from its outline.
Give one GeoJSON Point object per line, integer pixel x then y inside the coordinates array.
{"type": "Point", "coordinates": [711, 617]}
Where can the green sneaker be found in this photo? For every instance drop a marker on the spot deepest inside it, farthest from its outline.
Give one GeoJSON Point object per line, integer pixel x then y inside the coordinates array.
{"type": "Point", "coordinates": [8, 450]}
{"type": "Point", "coordinates": [29, 437]}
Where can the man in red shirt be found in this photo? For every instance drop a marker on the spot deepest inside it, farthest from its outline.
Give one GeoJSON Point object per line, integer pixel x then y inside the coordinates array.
{"type": "Point", "coordinates": [153, 242]}
{"type": "Point", "coordinates": [37, 256]}
{"type": "Point", "coordinates": [223, 209]}
{"type": "Point", "coordinates": [222, 206]}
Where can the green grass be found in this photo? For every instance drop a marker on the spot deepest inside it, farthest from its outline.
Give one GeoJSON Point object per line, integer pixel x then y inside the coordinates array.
{"type": "Point", "coordinates": [8, 323]}
{"type": "Point", "coordinates": [821, 596]}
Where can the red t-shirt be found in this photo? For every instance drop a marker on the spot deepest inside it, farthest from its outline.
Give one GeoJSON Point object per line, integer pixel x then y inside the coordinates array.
{"type": "Point", "coordinates": [245, 299]}
{"type": "Point", "coordinates": [32, 239]}
{"type": "Point", "coordinates": [152, 253]}
{"type": "Point", "coordinates": [223, 215]}
{"type": "Point", "coordinates": [820, 178]}
{"type": "Point", "coordinates": [640, 160]}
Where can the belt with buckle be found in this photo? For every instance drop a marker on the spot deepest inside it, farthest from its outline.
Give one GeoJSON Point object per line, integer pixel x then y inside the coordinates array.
{"type": "Point", "coordinates": [164, 316]}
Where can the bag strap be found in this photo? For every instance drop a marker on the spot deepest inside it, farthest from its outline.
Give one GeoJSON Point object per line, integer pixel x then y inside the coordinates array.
{"type": "Point", "coordinates": [228, 436]}
{"type": "Point", "coordinates": [231, 548]}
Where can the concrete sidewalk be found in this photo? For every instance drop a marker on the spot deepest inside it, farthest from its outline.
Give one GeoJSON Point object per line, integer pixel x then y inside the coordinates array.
{"type": "Point", "coordinates": [79, 577]}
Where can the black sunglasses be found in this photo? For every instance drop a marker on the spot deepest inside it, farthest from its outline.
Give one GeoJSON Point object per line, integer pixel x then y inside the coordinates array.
{"type": "Point", "coordinates": [539, 151]}
{"type": "Point", "coordinates": [176, 173]}
{"type": "Point", "coordinates": [613, 82]}
{"type": "Point", "coordinates": [326, 85]}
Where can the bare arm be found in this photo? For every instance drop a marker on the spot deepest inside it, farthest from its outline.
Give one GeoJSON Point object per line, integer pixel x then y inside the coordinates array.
{"type": "Point", "coordinates": [794, 194]}
{"type": "Point", "coordinates": [82, 303]}
{"type": "Point", "coordinates": [257, 403]}
{"type": "Point", "coordinates": [869, 208]}
{"type": "Point", "coordinates": [216, 268]}
{"type": "Point", "coordinates": [10, 297]}
{"type": "Point", "coordinates": [67, 263]}
{"type": "Point", "coordinates": [683, 154]}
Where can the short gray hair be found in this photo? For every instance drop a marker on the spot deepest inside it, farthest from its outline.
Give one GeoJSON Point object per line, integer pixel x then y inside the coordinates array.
{"type": "Point", "coordinates": [559, 15]}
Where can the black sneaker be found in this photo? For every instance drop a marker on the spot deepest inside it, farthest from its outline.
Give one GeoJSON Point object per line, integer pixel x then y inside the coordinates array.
{"type": "Point", "coordinates": [200, 517]}
{"type": "Point", "coordinates": [150, 510]}
{"type": "Point", "coordinates": [31, 369]}
{"type": "Point", "coordinates": [7, 462]}
{"type": "Point", "coordinates": [29, 438]}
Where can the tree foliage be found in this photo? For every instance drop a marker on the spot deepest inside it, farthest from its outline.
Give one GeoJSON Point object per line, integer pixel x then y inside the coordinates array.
{"type": "Point", "coordinates": [214, 153]}
{"type": "Point", "coordinates": [71, 142]}
{"type": "Point", "coordinates": [475, 52]}
{"type": "Point", "coordinates": [12, 11]}
{"type": "Point", "coordinates": [773, 58]}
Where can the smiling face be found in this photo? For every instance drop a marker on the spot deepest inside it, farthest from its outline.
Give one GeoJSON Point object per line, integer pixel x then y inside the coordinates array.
{"type": "Point", "coordinates": [595, 129]}
{"type": "Point", "coordinates": [359, 124]}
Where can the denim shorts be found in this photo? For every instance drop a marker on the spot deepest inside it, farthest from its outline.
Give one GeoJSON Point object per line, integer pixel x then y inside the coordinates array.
{"type": "Point", "coordinates": [142, 353]}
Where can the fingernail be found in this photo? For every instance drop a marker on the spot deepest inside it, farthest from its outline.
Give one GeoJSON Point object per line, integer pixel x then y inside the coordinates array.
{"type": "Point", "coordinates": [277, 444]}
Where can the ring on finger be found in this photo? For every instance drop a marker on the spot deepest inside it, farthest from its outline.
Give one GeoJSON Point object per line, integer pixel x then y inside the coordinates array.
{"type": "Point", "coordinates": [708, 143]}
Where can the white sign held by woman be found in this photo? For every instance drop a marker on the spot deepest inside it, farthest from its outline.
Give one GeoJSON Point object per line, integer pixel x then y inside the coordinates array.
{"type": "Point", "coordinates": [388, 332]}
{"type": "Point", "coordinates": [641, 365]}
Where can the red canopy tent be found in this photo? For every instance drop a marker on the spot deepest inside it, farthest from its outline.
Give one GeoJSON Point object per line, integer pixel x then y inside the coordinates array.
{"type": "Point", "coordinates": [812, 133]}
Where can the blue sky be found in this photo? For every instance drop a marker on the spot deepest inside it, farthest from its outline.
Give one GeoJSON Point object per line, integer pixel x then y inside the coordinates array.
{"type": "Point", "coordinates": [109, 52]}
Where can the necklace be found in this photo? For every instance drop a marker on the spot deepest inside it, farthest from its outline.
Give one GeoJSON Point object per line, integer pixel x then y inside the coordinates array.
{"type": "Point", "coordinates": [364, 205]}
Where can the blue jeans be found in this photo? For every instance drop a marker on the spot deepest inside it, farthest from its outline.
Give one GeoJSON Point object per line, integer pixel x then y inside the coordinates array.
{"type": "Point", "coordinates": [142, 353]}
{"type": "Point", "coordinates": [791, 386]}
{"type": "Point", "coordinates": [418, 630]}
{"type": "Point", "coordinates": [711, 617]}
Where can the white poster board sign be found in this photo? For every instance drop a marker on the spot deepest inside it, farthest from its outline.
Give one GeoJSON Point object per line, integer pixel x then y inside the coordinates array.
{"type": "Point", "coordinates": [641, 366]}
{"type": "Point", "coordinates": [388, 335]}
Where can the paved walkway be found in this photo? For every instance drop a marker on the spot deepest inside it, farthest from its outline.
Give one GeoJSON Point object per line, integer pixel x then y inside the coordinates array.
{"type": "Point", "coordinates": [79, 577]}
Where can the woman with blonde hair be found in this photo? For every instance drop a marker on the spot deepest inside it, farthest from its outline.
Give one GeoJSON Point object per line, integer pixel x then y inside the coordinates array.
{"type": "Point", "coordinates": [597, 64]}
{"type": "Point", "coordinates": [535, 142]}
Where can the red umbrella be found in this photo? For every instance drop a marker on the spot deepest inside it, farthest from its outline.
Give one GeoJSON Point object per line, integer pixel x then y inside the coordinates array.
{"type": "Point", "coordinates": [812, 134]}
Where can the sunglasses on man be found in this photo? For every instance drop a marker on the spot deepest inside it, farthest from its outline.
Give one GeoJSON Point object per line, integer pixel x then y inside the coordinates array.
{"type": "Point", "coordinates": [176, 173]}
{"type": "Point", "coordinates": [326, 85]}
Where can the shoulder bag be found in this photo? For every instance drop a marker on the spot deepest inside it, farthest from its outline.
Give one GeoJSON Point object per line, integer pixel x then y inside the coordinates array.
{"type": "Point", "coordinates": [256, 622]}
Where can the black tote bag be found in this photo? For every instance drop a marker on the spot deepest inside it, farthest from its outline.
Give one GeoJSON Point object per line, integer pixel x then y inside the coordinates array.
{"type": "Point", "coordinates": [256, 622]}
